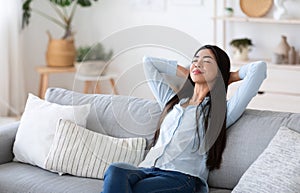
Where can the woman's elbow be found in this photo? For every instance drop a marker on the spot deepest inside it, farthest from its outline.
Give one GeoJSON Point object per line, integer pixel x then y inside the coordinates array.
{"type": "Point", "coordinates": [146, 59]}
{"type": "Point", "coordinates": [260, 68]}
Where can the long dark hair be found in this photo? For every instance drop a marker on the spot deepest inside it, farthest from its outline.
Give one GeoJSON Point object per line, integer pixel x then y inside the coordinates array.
{"type": "Point", "coordinates": [214, 111]}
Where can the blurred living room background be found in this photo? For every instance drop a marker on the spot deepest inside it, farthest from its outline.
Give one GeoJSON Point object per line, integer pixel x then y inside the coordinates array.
{"type": "Point", "coordinates": [273, 28]}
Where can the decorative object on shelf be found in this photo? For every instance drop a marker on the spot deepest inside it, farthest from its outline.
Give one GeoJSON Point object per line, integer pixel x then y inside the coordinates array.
{"type": "Point", "coordinates": [241, 47]}
{"type": "Point", "coordinates": [292, 55]}
{"type": "Point", "coordinates": [277, 58]}
{"type": "Point", "coordinates": [281, 51]}
{"type": "Point", "coordinates": [92, 60]}
{"type": "Point", "coordinates": [280, 11]}
{"type": "Point", "coordinates": [298, 57]}
{"type": "Point", "coordinates": [229, 11]}
{"type": "Point", "coordinates": [256, 8]}
{"type": "Point", "coordinates": [60, 52]}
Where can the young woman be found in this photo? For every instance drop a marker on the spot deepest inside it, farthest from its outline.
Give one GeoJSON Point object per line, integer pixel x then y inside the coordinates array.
{"type": "Point", "coordinates": [191, 134]}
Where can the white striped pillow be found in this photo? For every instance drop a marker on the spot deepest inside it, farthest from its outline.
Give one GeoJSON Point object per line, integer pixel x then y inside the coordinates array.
{"type": "Point", "coordinates": [81, 152]}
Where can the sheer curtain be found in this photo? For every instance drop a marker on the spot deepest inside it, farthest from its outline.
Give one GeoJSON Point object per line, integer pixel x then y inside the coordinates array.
{"type": "Point", "coordinates": [12, 92]}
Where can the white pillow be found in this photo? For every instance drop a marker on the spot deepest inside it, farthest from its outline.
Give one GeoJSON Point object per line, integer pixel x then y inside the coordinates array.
{"type": "Point", "coordinates": [37, 128]}
{"type": "Point", "coordinates": [277, 169]}
{"type": "Point", "coordinates": [81, 152]}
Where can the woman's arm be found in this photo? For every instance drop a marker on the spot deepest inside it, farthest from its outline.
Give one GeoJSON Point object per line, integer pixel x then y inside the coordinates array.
{"type": "Point", "coordinates": [182, 71]}
{"type": "Point", "coordinates": [154, 69]}
{"type": "Point", "coordinates": [252, 76]}
{"type": "Point", "coordinates": [234, 77]}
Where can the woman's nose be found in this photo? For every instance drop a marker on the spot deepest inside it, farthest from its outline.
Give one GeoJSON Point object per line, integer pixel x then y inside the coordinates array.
{"type": "Point", "coordinates": [198, 64]}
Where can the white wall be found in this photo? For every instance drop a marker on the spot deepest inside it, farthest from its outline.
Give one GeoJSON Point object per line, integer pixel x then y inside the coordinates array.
{"type": "Point", "coordinates": [109, 20]}
{"type": "Point", "coordinates": [103, 20]}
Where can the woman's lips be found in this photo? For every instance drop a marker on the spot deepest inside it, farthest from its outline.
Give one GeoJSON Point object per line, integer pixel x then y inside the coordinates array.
{"type": "Point", "coordinates": [197, 71]}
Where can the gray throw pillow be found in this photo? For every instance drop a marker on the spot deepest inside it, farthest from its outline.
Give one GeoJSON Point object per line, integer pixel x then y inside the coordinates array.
{"type": "Point", "coordinates": [277, 169]}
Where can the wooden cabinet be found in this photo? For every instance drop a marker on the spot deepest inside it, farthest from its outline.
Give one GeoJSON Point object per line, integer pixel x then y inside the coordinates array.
{"type": "Point", "coordinates": [281, 90]}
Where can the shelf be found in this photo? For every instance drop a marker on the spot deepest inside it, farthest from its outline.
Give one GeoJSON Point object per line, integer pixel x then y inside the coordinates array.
{"type": "Point", "coordinates": [281, 91]}
{"type": "Point", "coordinates": [292, 67]}
{"type": "Point", "coordinates": [257, 20]}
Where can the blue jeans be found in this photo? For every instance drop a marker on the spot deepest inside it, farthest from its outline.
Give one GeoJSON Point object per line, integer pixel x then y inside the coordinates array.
{"type": "Point", "coordinates": [124, 178]}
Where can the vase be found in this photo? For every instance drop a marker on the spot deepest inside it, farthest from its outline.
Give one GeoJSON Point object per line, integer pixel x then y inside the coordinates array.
{"type": "Point", "coordinates": [277, 58]}
{"type": "Point", "coordinates": [298, 58]}
{"type": "Point", "coordinates": [292, 55]}
{"type": "Point", "coordinates": [280, 11]}
{"type": "Point", "coordinates": [60, 52]}
{"type": "Point", "coordinates": [283, 49]}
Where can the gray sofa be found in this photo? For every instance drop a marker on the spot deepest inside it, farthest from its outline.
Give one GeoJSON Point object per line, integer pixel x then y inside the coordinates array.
{"type": "Point", "coordinates": [124, 116]}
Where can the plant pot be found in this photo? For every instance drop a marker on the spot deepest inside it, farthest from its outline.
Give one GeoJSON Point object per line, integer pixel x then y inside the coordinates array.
{"type": "Point", "coordinates": [240, 54]}
{"type": "Point", "coordinates": [91, 68]}
{"type": "Point", "coordinates": [60, 52]}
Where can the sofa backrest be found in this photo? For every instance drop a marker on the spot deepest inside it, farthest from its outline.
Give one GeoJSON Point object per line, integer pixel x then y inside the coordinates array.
{"type": "Point", "coordinates": [246, 140]}
{"type": "Point", "coordinates": [113, 115]}
{"type": "Point", "coordinates": [124, 116]}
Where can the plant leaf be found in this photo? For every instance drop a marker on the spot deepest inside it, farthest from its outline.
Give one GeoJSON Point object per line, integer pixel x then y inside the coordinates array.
{"type": "Point", "coordinates": [63, 3]}
{"type": "Point", "coordinates": [92, 53]}
{"type": "Point", "coordinates": [26, 13]}
{"type": "Point", "coordinates": [85, 3]}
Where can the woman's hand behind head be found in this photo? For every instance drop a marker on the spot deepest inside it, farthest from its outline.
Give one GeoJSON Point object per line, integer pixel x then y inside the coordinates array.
{"type": "Point", "coordinates": [234, 77]}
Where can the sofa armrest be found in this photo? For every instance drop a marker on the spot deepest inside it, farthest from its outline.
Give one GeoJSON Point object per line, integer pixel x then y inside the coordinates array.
{"type": "Point", "coordinates": [7, 138]}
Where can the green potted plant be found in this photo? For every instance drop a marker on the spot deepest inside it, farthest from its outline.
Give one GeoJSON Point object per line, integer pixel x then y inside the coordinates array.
{"type": "Point", "coordinates": [228, 11]}
{"type": "Point", "coordinates": [60, 52]}
{"type": "Point", "coordinates": [241, 48]}
{"type": "Point", "coordinates": [91, 60]}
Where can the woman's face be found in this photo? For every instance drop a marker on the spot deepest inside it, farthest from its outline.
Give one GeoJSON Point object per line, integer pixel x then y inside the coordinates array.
{"type": "Point", "coordinates": [204, 68]}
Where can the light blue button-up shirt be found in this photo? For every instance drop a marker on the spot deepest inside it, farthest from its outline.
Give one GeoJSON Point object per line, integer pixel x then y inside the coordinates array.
{"type": "Point", "coordinates": [175, 148]}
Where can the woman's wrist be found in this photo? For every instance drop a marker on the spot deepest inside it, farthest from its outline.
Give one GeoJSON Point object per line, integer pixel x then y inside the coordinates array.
{"type": "Point", "coordinates": [234, 77]}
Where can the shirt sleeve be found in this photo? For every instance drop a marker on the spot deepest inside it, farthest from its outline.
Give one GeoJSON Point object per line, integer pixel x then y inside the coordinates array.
{"type": "Point", "coordinates": [252, 75]}
{"type": "Point", "coordinates": [154, 68]}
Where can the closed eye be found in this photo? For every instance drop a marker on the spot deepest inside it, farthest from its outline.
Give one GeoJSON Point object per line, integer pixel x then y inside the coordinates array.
{"type": "Point", "coordinates": [207, 61]}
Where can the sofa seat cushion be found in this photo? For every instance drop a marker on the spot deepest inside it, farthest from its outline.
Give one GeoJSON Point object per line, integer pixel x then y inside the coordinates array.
{"type": "Point", "coordinates": [18, 177]}
{"type": "Point", "coordinates": [216, 190]}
